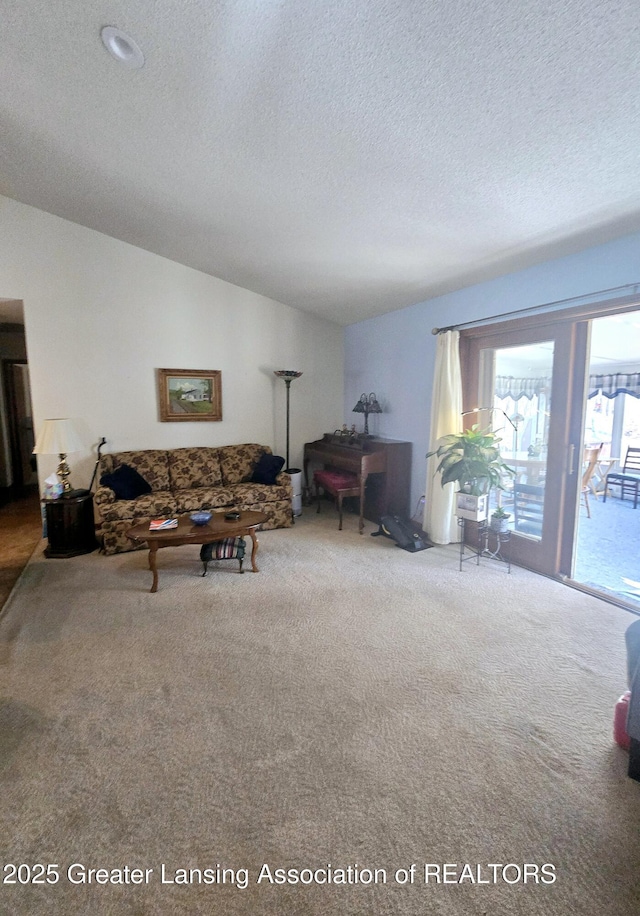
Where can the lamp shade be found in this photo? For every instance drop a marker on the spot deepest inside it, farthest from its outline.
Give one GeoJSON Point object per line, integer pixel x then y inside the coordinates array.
{"type": "Point", "coordinates": [287, 374]}
{"type": "Point", "coordinates": [58, 437]}
{"type": "Point", "coordinates": [368, 404]}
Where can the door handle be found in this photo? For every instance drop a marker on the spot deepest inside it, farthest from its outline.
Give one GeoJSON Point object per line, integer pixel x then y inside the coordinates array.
{"type": "Point", "coordinates": [572, 453]}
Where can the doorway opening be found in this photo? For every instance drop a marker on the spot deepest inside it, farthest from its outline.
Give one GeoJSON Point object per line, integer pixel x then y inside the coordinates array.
{"type": "Point", "coordinates": [18, 473]}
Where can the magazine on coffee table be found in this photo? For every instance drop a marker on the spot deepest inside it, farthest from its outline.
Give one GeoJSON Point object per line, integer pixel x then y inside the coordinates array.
{"type": "Point", "coordinates": [162, 524]}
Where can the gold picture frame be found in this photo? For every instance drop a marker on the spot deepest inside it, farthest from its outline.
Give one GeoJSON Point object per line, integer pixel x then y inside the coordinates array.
{"type": "Point", "coordinates": [185, 395]}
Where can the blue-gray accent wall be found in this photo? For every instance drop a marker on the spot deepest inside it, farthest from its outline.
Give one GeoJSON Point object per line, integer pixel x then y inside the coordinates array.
{"type": "Point", "coordinates": [393, 355]}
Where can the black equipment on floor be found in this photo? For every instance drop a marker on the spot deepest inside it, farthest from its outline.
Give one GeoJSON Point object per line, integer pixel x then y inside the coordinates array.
{"type": "Point", "coordinates": [404, 532]}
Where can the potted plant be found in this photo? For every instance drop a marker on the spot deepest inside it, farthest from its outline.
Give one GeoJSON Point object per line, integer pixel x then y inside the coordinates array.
{"type": "Point", "coordinates": [472, 460]}
{"type": "Point", "coordinates": [499, 520]}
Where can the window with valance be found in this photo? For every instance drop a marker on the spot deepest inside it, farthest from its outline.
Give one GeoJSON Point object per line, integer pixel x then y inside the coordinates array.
{"type": "Point", "coordinates": [612, 385]}
{"type": "Point", "coordinates": [507, 386]}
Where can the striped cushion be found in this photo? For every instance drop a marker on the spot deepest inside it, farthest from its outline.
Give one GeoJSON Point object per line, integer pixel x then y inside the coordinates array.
{"type": "Point", "coordinates": [228, 549]}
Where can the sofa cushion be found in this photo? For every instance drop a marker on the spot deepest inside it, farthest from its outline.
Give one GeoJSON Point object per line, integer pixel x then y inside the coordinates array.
{"type": "Point", "coordinates": [103, 496]}
{"type": "Point", "coordinates": [267, 469]}
{"type": "Point", "coordinates": [194, 467]}
{"type": "Point", "coordinates": [238, 461]}
{"type": "Point", "coordinates": [153, 505]}
{"type": "Point", "coordinates": [245, 493]}
{"type": "Point", "coordinates": [202, 498]}
{"type": "Point", "coordinates": [125, 482]}
{"type": "Point", "coordinates": [151, 463]}
{"type": "Point", "coordinates": [279, 514]}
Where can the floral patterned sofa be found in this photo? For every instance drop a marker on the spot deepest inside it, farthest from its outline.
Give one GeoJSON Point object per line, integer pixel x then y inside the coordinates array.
{"type": "Point", "coordinates": [184, 480]}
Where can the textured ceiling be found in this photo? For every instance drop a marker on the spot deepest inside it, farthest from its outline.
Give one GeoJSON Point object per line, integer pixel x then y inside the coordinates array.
{"type": "Point", "coordinates": [347, 158]}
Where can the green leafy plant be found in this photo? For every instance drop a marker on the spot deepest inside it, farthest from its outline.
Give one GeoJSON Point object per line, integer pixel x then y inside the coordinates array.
{"type": "Point", "coordinates": [499, 512]}
{"type": "Point", "coordinates": [472, 460]}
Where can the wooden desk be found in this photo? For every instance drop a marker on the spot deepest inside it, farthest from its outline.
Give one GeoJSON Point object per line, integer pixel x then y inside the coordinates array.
{"type": "Point", "coordinates": [382, 465]}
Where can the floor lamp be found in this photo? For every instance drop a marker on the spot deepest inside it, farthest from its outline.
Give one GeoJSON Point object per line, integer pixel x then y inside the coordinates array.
{"type": "Point", "coordinates": [288, 375]}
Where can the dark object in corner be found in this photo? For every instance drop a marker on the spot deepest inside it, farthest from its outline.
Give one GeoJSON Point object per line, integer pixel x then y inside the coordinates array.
{"type": "Point", "coordinates": [634, 760]}
{"type": "Point", "coordinates": [102, 442]}
{"type": "Point", "coordinates": [405, 533]}
{"type": "Point", "coordinates": [632, 640]}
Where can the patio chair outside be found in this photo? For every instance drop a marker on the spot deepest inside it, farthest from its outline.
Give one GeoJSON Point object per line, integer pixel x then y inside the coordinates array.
{"type": "Point", "coordinates": [528, 507]}
{"type": "Point", "coordinates": [591, 456]}
{"type": "Point", "coordinates": [628, 479]}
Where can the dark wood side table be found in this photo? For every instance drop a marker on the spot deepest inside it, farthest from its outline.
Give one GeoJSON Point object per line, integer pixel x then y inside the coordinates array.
{"type": "Point", "coordinates": [70, 526]}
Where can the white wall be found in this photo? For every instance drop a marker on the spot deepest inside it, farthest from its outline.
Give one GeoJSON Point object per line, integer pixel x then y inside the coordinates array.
{"type": "Point", "coordinates": [394, 355]}
{"type": "Point", "coordinates": [101, 316]}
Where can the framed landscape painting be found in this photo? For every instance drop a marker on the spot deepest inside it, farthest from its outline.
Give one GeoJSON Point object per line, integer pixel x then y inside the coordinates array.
{"type": "Point", "coordinates": [190, 394]}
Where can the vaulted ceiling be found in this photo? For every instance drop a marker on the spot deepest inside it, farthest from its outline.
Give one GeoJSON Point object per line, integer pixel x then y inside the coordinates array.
{"type": "Point", "coordinates": [347, 157]}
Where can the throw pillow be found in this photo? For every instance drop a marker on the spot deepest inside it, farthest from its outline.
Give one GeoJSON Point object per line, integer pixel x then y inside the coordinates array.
{"type": "Point", "coordinates": [267, 469]}
{"type": "Point", "coordinates": [125, 482]}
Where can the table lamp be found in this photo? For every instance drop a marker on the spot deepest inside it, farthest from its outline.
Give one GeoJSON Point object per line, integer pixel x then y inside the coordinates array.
{"type": "Point", "coordinates": [366, 405]}
{"type": "Point", "coordinates": [59, 437]}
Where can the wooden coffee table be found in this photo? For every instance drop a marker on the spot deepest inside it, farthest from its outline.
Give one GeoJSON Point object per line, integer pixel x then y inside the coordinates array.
{"type": "Point", "coordinates": [187, 533]}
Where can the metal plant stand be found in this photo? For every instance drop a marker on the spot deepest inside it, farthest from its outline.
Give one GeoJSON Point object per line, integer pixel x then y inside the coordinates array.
{"type": "Point", "coordinates": [487, 537]}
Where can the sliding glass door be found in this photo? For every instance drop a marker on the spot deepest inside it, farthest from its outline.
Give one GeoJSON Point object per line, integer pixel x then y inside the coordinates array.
{"type": "Point", "coordinates": [523, 382]}
{"type": "Point", "coordinates": [533, 380]}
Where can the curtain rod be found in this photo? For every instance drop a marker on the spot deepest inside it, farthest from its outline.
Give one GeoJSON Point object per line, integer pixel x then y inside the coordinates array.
{"type": "Point", "coordinates": [629, 287]}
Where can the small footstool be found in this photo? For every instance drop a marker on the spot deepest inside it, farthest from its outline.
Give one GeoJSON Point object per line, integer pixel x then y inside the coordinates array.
{"type": "Point", "coordinates": [227, 549]}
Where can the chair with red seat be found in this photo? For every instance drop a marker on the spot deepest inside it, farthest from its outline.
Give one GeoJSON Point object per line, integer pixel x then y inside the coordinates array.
{"type": "Point", "coordinates": [339, 484]}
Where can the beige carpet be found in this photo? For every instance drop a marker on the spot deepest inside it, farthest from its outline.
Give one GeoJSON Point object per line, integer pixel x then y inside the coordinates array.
{"type": "Point", "coordinates": [352, 706]}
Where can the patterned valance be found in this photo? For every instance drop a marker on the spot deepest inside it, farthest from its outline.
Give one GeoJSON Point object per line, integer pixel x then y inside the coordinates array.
{"type": "Point", "coordinates": [509, 387]}
{"type": "Point", "coordinates": [613, 385]}
{"type": "Point", "coordinates": [609, 385]}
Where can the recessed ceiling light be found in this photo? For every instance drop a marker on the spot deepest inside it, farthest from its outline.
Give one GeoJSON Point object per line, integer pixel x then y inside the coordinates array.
{"type": "Point", "coordinates": [122, 47]}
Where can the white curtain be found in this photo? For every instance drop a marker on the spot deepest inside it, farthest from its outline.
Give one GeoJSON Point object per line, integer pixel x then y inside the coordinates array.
{"type": "Point", "coordinates": [446, 408]}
